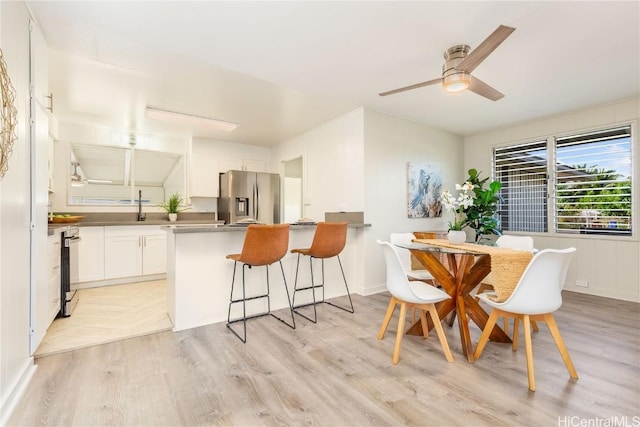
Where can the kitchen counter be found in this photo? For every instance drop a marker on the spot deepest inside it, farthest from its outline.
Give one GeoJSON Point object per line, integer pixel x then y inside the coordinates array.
{"type": "Point", "coordinates": [199, 275]}
{"type": "Point", "coordinates": [217, 228]}
{"type": "Point", "coordinates": [151, 222]}
{"type": "Point", "coordinates": [108, 219]}
{"type": "Point", "coordinates": [191, 223]}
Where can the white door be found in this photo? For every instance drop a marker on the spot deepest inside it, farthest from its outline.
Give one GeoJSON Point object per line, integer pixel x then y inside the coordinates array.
{"type": "Point", "coordinates": [292, 199]}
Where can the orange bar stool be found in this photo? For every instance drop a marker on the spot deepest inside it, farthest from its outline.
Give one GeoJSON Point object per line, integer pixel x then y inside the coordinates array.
{"type": "Point", "coordinates": [328, 241]}
{"type": "Point", "coordinates": [263, 245]}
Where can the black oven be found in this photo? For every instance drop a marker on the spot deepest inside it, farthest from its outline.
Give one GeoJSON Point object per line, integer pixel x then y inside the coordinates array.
{"type": "Point", "coordinates": [68, 265]}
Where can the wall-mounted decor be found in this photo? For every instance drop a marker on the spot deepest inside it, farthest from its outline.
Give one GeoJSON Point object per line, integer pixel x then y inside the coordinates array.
{"type": "Point", "coordinates": [424, 185]}
{"type": "Point", "coordinates": [9, 114]}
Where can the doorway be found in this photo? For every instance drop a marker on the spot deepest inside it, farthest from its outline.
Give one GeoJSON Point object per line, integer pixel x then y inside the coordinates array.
{"type": "Point", "coordinates": [292, 193]}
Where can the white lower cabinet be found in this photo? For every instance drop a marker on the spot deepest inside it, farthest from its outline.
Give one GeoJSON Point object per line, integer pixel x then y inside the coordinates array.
{"type": "Point", "coordinates": [154, 253]}
{"type": "Point", "coordinates": [134, 251]}
{"type": "Point", "coordinates": [123, 256]}
{"type": "Point", "coordinates": [54, 288]}
{"type": "Point", "coordinates": [90, 255]}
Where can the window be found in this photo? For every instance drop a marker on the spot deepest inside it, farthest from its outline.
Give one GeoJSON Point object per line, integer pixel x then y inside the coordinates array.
{"type": "Point", "coordinates": [591, 181]}
{"type": "Point", "coordinates": [522, 170]}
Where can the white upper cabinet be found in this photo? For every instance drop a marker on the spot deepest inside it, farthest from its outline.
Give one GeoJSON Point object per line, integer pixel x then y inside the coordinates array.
{"type": "Point", "coordinates": [229, 164]}
{"type": "Point", "coordinates": [237, 164]}
{"type": "Point", "coordinates": [210, 158]}
{"type": "Point", "coordinates": [254, 165]}
{"type": "Point", "coordinates": [204, 175]}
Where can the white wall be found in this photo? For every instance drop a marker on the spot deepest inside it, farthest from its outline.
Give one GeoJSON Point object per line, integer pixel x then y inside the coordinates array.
{"type": "Point", "coordinates": [16, 365]}
{"type": "Point", "coordinates": [391, 143]}
{"type": "Point", "coordinates": [609, 264]}
{"type": "Point", "coordinates": [332, 156]}
{"type": "Point", "coordinates": [358, 162]}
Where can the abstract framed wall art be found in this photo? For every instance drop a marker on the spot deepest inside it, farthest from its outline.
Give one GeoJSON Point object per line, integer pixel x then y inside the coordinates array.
{"type": "Point", "coordinates": [424, 186]}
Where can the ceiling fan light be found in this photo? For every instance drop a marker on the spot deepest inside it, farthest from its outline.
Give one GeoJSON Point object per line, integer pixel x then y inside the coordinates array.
{"type": "Point", "coordinates": [456, 87]}
{"type": "Point", "coordinates": [456, 82]}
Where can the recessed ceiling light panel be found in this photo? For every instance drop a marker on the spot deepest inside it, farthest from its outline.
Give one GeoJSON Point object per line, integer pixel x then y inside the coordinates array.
{"type": "Point", "coordinates": [188, 119]}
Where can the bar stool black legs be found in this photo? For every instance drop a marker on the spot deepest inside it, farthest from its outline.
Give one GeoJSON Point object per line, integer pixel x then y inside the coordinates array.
{"type": "Point", "coordinates": [328, 241]}
{"type": "Point", "coordinates": [313, 288]}
{"type": "Point", "coordinates": [263, 245]}
{"type": "Point", "coordinates": [243, 300]}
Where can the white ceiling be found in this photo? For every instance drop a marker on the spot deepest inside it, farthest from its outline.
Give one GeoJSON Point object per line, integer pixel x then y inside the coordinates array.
{"type": "Point", "coordinates": [280, 68]}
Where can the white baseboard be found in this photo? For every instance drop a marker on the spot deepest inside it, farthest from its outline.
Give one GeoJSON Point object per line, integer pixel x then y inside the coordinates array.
{"type": "Point", "coordinates": [8, 405]}
{"type": "Point", "coordinates": [372, 290]}
{"type": "Point", "coordinates": [119, 281]}
{"type": "Point", "coordinates": [607, 293]}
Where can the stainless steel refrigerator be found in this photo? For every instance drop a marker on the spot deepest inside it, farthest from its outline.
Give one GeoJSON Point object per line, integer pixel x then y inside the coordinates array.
{"type": "Point", "coordinates": [248, 195]}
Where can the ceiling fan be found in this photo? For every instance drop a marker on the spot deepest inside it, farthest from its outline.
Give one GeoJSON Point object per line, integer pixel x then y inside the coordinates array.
{"type": "Point", "coordinates": [459, 63]}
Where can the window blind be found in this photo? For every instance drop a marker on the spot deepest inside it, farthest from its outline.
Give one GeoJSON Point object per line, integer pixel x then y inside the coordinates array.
{"type": "Point", "coordinates": [522, 170]}
{"type": "Point", "coordinates": [593, 182]}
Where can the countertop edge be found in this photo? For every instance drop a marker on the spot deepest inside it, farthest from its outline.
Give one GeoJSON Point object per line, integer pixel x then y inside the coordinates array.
{"type": "Point", "coordinates": [129, 223]}
{"type": "Point", "coordinates": [186, 228]}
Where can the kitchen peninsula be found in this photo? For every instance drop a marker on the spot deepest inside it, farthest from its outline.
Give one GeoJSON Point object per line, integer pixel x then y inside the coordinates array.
{"type": "Point", "coordinates": [199, 276]}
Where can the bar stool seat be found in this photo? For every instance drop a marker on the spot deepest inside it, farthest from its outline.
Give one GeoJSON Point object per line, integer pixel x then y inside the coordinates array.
{"type": "Point", "coordinates": [263, 245]}
{"type": "Point", "coordinates": [329, 240]}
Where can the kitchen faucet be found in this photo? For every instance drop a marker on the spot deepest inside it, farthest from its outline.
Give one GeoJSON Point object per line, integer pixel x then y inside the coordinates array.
{"type": "Point", "coordinates": [141, 216]}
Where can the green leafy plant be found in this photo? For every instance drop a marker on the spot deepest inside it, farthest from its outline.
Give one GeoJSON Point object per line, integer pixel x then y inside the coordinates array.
{"type": "Point", "coordinates": [481, 215]}
{"type": "Point", "coordinates": [173, 204]}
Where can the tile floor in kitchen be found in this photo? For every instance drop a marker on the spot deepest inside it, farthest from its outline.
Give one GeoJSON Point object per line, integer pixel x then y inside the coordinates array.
{"type": "Point", "coordinates": [109, 313]}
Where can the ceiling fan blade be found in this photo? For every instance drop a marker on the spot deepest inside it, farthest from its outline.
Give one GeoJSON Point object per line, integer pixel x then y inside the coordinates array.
{"type": "Point", "coordinates": [481, 88]}
{"type": "Point", "coordinates": [483, 50]}
{"type": "Point", "coordinates": [415, 86]}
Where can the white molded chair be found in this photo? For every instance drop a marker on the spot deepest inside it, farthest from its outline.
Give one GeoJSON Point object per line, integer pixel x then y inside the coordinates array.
{"type": "Point", "coordinates": [536, 296]}
{"type": "Point", "coordinates": [405, 257]}
{"type": "Point", "coordinates": [410, 294]}
{"type": "Point", "coordinates": [523, 243]}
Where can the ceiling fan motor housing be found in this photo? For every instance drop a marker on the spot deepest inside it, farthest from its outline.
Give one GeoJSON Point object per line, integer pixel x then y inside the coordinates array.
{"type": "Point", "coordinates": [453, 79]}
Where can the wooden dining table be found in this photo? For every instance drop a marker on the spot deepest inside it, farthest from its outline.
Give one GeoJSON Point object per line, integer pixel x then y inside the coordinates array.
{"type": "Point", "coordinates": [459, 269]}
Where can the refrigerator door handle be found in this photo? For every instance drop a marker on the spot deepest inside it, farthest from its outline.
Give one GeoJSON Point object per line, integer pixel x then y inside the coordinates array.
{"type": "Point", "coordinates": [256, 205]}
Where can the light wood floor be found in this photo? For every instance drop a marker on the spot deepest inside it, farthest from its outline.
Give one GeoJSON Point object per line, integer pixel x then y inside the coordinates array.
{"type": "Point", "coordinates": [336, 372]}
{"type": "Point", "coordinates": [107, 314]}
